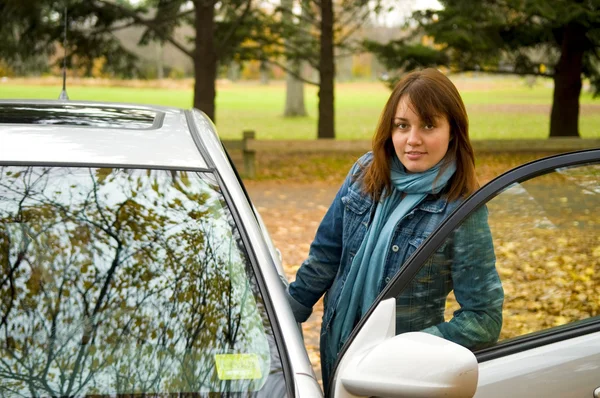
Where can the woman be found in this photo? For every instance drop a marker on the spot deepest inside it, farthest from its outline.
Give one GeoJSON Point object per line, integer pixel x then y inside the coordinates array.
{"type": "Point", "coordinates": [420, 169]}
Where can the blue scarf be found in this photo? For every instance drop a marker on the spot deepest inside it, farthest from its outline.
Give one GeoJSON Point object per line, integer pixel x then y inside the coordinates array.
{"type": "Point", "coordinates": [367, 269]}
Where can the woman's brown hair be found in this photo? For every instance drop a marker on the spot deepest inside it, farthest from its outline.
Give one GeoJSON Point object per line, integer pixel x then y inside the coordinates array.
{"type": "Point", "coordinates": [432, 95]}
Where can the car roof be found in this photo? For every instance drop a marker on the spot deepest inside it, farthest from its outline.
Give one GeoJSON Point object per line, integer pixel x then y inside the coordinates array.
{"type": "Point", "coordinates": [86, 132]}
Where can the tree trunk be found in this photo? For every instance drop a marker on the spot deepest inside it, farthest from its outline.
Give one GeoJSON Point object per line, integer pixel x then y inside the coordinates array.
{"type": "Point", "coordinates": [264, 73]}
{"type": "Point", "coordinates": [294, 93]}
{"type": "Point", "coordinates": [233, 72]}
{"type": "Point", "coordinates": [205, 59]}
{"type": "Point", "coordinates": [326, 127]}
{"type": "Point", "coordinates": [160, 69]}
{"type": "Point", "coordinates": [564, 118]}
{"type": "Point", "coordinates": [294, 88]}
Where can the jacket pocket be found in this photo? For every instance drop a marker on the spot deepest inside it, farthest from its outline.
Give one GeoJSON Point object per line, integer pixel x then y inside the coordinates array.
{"type": "Point", "coordinates": [356, 219]}
{"type": "Point", "coordinates": [356, 202]}
{"type": "Point", "coordinates": [418, 241]}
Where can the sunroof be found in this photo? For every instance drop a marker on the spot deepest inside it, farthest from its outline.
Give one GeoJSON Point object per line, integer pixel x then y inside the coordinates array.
{"type": "Point", "coordinates": [80, 115]}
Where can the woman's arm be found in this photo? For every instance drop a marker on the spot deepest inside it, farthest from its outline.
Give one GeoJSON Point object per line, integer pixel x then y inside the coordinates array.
{"type": "Point", "coordinates": [477, 286]}
{"type": "Point", "coordinates": [318, 271]}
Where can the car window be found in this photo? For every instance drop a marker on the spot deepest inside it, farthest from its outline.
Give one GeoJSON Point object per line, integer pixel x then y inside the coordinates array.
{"type": "Point", "coordinates": [127, 281]}
{"type": "Point", "coordinates": [79, 115]}
{"type": "Point", "coordinates": [531, 254]}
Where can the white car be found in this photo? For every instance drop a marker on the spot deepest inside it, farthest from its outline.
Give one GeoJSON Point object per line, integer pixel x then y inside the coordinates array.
{"type": "Point", "coordinates": [132, 262]}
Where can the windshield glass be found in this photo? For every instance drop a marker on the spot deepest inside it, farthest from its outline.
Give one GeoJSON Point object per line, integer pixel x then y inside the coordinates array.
{"type": "Point", "coordinates": [127, 281]}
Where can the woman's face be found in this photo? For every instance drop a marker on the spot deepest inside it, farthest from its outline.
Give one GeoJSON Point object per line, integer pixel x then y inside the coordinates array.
{"type": "Point", "coordinates": [418, 145]}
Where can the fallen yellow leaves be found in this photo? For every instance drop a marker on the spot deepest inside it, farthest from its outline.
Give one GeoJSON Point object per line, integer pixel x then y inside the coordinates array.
{"type": "Point", "coordinates": [550, 281]}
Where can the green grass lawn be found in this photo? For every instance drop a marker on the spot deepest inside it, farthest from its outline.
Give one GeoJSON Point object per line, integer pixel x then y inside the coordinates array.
{"type": "Point", "coordinates": [499, 108]}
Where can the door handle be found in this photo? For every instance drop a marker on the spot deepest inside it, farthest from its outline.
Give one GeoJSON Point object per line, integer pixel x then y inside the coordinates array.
{"type": "Point", "coordinates": [597, 393]}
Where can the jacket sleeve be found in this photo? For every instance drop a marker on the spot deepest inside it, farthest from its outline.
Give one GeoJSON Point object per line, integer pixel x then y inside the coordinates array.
{"type": "Point", "coordinates": [477, 287]}
{"type": "Point", "coordinates": [317, 273]}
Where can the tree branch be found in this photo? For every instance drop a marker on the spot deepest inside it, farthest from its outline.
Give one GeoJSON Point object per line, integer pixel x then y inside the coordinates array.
{"type": "Point", "coordinates": [236, 25]}
{"type": "Point", "coordinates": [149, 24]}
{"type": "Point", "coordinates": [291, 72]}
{"type": "Point", "coordinates": [350, 18]}
{"type": "Point", "coordinates": [299, 52]}
{"type": "Point", "coordinates": [302, 17]}
{"type": "Point", "coordinates": [503, 72]}
{"type": "Point", "coordinates": [349, 33]}
{"type": "Point", "coordinates": [154, 21]}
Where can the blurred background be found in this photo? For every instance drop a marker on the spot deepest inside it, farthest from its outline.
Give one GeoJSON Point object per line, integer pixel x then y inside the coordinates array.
{"type": "Point", "coordinates": [308, 69]}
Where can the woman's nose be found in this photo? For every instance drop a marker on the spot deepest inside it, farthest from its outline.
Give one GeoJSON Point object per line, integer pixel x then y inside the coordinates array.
{"type": "Point", "coordinates": [414, 138]}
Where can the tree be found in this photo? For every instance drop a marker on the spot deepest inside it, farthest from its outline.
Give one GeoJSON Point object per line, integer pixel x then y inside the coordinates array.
{"type": "Point", "coordinates": [326, 125]}
{"type": "Point", "coordinates": [32, 29]}
{"type": "Point", "coordinates": [221, 27]}
{"type": "Point", "coordinates": [224, 30]}
{"type": "Point", "coordinates": [326, 25]}
{"type": "Point", "coordinates": [294, 90]}
{"type": "Point", "coordinates": [503, 36]}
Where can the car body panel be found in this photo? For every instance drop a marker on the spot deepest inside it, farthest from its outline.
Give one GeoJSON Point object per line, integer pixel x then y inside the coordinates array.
{"type": "Point", "coordinates": [307, 386]}
{"type": "Point", "coordinates": [569, 368]}
{"type": "Point", "coordinates": [168, 145]}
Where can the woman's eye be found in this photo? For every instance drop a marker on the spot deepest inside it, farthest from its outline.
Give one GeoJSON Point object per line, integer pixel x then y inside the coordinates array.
{"type": "Point", "coordinates": [429, 126]}
{"type": "Point", "coordinates": [401, 126]}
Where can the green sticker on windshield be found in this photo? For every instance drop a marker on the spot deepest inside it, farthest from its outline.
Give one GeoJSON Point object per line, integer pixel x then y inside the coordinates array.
{"type": "Point", "coordinates": [238, 366]}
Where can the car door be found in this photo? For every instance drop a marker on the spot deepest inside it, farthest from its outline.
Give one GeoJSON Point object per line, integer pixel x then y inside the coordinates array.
{"type": "Point", "coordinates": [544, 222]}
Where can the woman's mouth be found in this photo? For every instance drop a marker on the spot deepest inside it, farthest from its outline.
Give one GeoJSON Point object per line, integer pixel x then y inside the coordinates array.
{"type": "Point", "coordinates": [414, 155]}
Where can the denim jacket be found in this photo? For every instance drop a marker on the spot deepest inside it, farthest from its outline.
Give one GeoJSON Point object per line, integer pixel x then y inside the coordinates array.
{"type": "Point", "coordinates": [465, 263]}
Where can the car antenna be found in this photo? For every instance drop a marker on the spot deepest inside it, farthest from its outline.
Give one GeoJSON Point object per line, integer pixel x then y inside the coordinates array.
{"type": "Point", "coordinates": [63, 94]}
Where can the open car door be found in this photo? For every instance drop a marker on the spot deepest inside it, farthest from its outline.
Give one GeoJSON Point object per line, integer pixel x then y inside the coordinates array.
{"type": "Point", "coordinates": [544, 221]}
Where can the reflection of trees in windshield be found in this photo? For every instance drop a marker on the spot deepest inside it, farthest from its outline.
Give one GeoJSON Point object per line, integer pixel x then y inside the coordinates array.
{"type": "Point", "coordinates": [121, 281]}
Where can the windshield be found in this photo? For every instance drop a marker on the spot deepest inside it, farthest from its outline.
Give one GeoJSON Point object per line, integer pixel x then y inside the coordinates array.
{"type": "Point", "coordinates": [127, 281]}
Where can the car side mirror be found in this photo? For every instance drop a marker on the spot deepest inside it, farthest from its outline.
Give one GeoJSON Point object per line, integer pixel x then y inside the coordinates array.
{"type": "Point", "coordinates": [379, 363]}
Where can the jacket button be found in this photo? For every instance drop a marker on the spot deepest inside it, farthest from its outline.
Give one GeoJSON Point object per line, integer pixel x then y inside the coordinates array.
{"type": "Point", "coordinates": [395, 248]}
{"type": "Point", "coordinates": [387, 280]}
